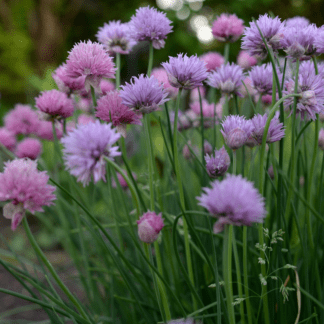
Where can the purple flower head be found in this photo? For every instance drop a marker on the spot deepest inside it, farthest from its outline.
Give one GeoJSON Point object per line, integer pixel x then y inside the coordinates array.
{"type": "Point", "coordinates": [321, 139]}
{"type": "Point", "coordinates": [22, 120]}
{"type": "Point", "coordinates": [185, 72]}
{"type": "Point", "coordinates": [245, 60]}
{"type": "Point", "coordinates": [261, 78]}
{"type": "Point", "coordinates": [208, 149]}
{"type": "Point", "coordinates": [106, 86]}
{"type": "Point", "coordinates": [234, 201]}
{"type": "Point", "coordinates": [228, 79]}
{"type": "Point", "coordinates": [272, 30]}
{"type": "Point", "coordinates": [162, 76]}
{"type": "Point", "coordinates": [26, 188]}
{"type": "Point", "coordinates": [65, 83]}
{"type": "Point", "coordinates": [227, 28]}
{"type": "Point", "coordinates": [116, 37]}
{"type": "Point", "coordinates": [298, 42]}
{"type": "Point", "coordinates": [7, 139]}
{"type": "Point", "coordinates": [149, 227]}
{"type": "Point", "coordinates": [45, 130]}
{"type": "Point", "coordinates": [85, 148]}
{"type": "Point", "coordinates": [218, 164]}
{"type": "Point", "coordinates": [55, 103]}
{"type": "Point", "coordinates": [29, 148]}
{"type": "Point", "coordinates": [144, 94]}
{"type": "Point", "coordinates": [236, 130]}
{"type": "Point", "coordinates": [311, 89]}
{"type": "Point", "coordinates": [297, 21]}
{"type": "Point", "coordinates": [90, 60]}
{"type": "Point", "coordinates": [319, 41]}
{"type": "Point", "coordinates": [149, 24]}
{"type": "Point", "coordinates": [275, 132]}
{"type": "Point", "coordinates": [111, 105]}
{"type": "Point", "coordinates": [213, 60]}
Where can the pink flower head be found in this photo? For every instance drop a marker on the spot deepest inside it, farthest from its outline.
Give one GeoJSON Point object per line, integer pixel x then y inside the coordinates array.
{"type": "Point", "coordinates": [116, 37]}
{"type": "Point", "coordinates": [91, 61]}
{"type": "Point", "coordinates": [162, 76]}
{"type": "Point", "coordinates": [208, 111]}
{"type": "Point", "coordinates": [106, 86]}
{"type": "Point", "coordinates": [213, 60]}
{"type": "Point", "coordinates": [111, 109]}
{"type": "Point", "coordinates": [121, 180]}
{"type": "Point", "coordinates": [234, 201]}
{"type": "Point", "coordinates": [84, 119]}
{"type": "Point", "coordinates": [22, 120]}
{"type": "Point", "coordinates": [45, 130]}
{"type": "Point", "coordinates": [149, 226]}
{"type": "Point", "coordinates": [194, 93]}
{"type": "Point", "coordinates": [7, 139]}
{"type": "Point", "coordinates": [236, 130]}
{"type": "Point", "coordinates": [149, 24]}
{"type": "Point", "coordinates": [65, 83]}
{"type": "Point", "coordinates": [29, 148]}
{"type": "Point", "coordinates": [85, 149]}
{"type": "Point", "coordinates": [55, 103]}
{"type": "Point", "coordinates": [227, 28]}
{"type": "Point", "coordinates": [245, 60]}
{"type": "Point", "coordinates": [27, 189]}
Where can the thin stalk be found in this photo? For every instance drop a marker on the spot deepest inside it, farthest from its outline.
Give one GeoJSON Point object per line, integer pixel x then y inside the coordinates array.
{"type": "Point", "coordinates": [93, 95]}
{"type": "Point", "coordinates": [150, 63]}
{"type": "Point", "coordinates": [182, 200]}
{"type": "Point", "coordinates": [49, 266]}
{"type": "Point", "coordinates": [227, 271]}
{"type": "Point", "coordinates": [201, 127]}
{"type": "Point", "coordinates": [226, 52]}
{"type": "Point", "coordinates": [236, 105]}
{"type": "Point", "coordinates": [118, 70]}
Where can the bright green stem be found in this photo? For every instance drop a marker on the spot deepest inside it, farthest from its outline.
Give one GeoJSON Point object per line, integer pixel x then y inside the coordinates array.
{"type": "Point", "coordinates": [150, 158]}
{"type": "Point", "coordinates": [150, 63]}
{"type": "Point", "coordinates": [293, 158]}
{"type": "Point", "coordinates": [226, 106]}
{"type": "Point", "coordinates": [239, 280]}
{"type": "Point", "coordinates": [201, 127]}
{"type": "Point", "coordinates": [246, 276]}
{"type": "Point", "coordinates": [160, 284]}
{"type": "Point", "coordinates": [118, 70]}
{"type": "Point", "coordinates": [49, 266]}
{"type": "Point", "coordinates": [236, 104]}
{"type": "Point", "coordinates": [226, 52]}
{"type": "Point", "coordinates": [93, 95]}
{"type": "Point", "coordinates": [182, 200]}
{"type": "Point", "coordinates": [234, 162]}
{"type": "Point", "coordinates": [227, 271]}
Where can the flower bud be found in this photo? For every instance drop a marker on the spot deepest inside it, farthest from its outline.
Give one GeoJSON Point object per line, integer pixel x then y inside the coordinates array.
{"type": "Point", "coordinates": [236, 138]}
{"type": "Point", "coordinates": [218, 164]}
{"type": "Point", "coordinates": [149, 227]}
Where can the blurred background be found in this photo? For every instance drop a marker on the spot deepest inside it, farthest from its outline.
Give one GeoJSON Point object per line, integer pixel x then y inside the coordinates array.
{"type": "Point", "coordinates": [36, 35]}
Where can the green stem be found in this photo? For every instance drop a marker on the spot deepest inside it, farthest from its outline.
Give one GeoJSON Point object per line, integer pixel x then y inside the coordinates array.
{"type": "Point", "coordinates": [227, 271]}
{"type": "Point", "coordinates": [234, 162]}
{"type": "Point", "coordinates": [49, 266]}
{"type": "Point", "coordinates": [181, 193]}
{"type": "Point", "coordinates": [150, 63]}
{"type": "Point", "coordinates": [118, 70]}
{"type": "Point", "coordinates": [226, 52]}
{"type": "Point", "coordinates": [93, 95]}
{"type": "Point", "coordinates": [201, 127]}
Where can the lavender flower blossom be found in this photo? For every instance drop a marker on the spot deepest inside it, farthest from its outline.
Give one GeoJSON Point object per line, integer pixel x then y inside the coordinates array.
{"type": "Point", "coordinates": [7, 139]}
{"type": "Point", "coordinates": [228, 78]}
{"type": "Point", "coordinates": [213, 60]}
{"type": "Point", "coordinates": [261, 78]}
{"type": "Point", "coordinates": [272, 30]}
{"type": "Point", "coordinates": [149, 24]}
{"type": "Point", "coordinates": [297, 21]}
{"type": "Point", "coordinates": [275, 132]}
{"type": "Point", "coordinates": [65, 83]}
{"type": "Point", "coordinates": [90, 60]}
{"type": "Point", "coordinates": [144, 94]}
{"type": "Point", "coordinates": [236, 130]}
{"type": "Point", "coordinates": [111, 109]}
{"type": "Point", "coordinates": [319, 41]}
{"type": "Point", "coordinates": [55, 103]}
{"type": "Point", "coordinates": [162, 76]}
{"type": "Point", "coordinates": [85, 148]}
{"type": "Point", "coordinates": [299, 42]}
{"type": "Point", "coordinates": [185, 72]}
{"type": "Point", "coordinates": [311, 89]}
{"type": "Point", "coordinates": [22, 120]}
{"type": "Point", "coordinates": [29, 148]}
{"type": "Point", "coordinates": [27, 189]}
{"type": "Point", "coordinates": [116, 37]}
{"type": "Point", "coordinates": [245, 60]}
{"type": "Point", "coordinates": [227, 28]}
{"type": "Point", "coordinates": [218, 164]}
{"type": "Point", "coordinates": [234, 201]}
{"type": "Point", "coordinates": [45, 130]}
{"type": "Point", "coordinates": [149, 227]}
{"type": "Point", "coordinates": [106, 86]}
